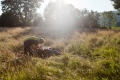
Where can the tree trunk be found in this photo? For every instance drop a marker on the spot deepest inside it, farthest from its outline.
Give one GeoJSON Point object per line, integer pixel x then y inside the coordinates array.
{"type": "Point", "coordinates": [25, 24]}
{"type": "Point", "coordinates": [21, 17]}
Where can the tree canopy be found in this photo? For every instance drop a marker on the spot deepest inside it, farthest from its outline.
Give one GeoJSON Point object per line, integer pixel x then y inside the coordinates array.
{"type": "Point", "coordinates": [23, 9]}
{"type": "Point", "coordinates": [66, 16]}
{"type": "Point", "coordinates": [108, 19]}
{"type": "Point", "coordinates": [116, 4]}
{"type": "Point", "coordinates": [8, 18]}
{"type": "Point", "coordinates": [57, 15]}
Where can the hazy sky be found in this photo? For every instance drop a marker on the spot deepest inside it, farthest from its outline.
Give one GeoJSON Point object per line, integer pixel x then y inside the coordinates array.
{"type": "Point", "coordinates": [95, 5]}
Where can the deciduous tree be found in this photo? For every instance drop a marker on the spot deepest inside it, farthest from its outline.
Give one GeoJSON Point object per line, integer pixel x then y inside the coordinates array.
{"type": "Point", "coordinates": [116, 4]}
{"type": "Point", "coordinates": [24, 9]}
{"type": "Point", "coordinates": [109, 19]}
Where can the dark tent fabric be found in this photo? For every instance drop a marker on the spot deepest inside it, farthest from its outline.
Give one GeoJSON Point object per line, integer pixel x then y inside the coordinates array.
{"type": "Point", "coordinates": [46, 51]}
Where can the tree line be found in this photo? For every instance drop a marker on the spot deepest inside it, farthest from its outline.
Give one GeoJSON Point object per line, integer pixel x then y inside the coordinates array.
{"type": "Point", "coordinates": [24, 13]}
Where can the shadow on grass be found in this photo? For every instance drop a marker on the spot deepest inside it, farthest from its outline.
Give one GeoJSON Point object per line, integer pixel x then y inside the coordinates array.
{"type": "Point", "coordinates": [3, 30]}
{"type": "Point", "coordinates": [18, 49]}
{"type": "Point", "coordinates": [116, 31]}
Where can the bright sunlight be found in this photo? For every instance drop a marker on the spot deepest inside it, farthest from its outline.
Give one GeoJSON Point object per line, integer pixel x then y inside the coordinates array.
{"type": "Point", "coordinates": [77, 3]}
{"type": "Point", "coordinates": [63, 20]}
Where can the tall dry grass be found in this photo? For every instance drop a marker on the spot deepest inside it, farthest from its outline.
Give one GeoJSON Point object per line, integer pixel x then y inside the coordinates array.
{"type": "Point", "coordinates": [86, 55]}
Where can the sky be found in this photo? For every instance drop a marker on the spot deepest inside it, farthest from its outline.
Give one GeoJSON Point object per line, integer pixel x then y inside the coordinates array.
{"type": "Point", "coordinates": [95, 5]}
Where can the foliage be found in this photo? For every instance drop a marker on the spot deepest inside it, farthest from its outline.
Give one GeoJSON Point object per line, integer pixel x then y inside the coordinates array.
{"type": "Point", "coordinates": [66, 16]}
{"type": "Point", "coordinates": [59, 14]}
{"type": "Point", "coordinates": [91, 19]}
{"type": "Point", "coordinates": [10, 20]}
{"type": "Point", "coordinates": [108, 19]}
{"type": "Point", "coordinates": [38, 21]}
{"type": "Point", "coordinates": [23, 9]}
{"type": "Point", "coordinates": [116, 4]}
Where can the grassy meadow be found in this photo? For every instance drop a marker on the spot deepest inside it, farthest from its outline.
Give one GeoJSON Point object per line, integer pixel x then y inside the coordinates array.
{"type": "Point", "coordinates": [85, 55]}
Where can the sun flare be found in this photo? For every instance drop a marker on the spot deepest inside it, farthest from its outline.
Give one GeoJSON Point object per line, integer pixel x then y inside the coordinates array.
{"type": "Point", "coordinates": [69, 1]}
{"type": "Point", "coordinates": [77, 3]}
